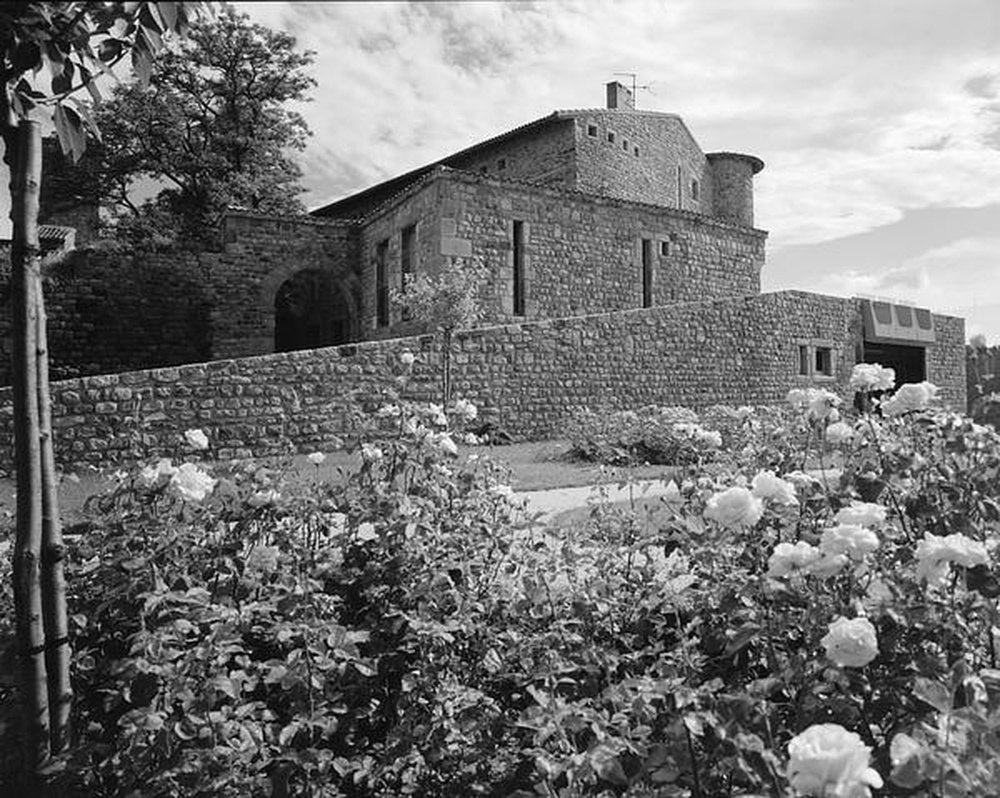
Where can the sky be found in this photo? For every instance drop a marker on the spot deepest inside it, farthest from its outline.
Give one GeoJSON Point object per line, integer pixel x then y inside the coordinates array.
{"type": "Point", "coordinates": [879, 122]}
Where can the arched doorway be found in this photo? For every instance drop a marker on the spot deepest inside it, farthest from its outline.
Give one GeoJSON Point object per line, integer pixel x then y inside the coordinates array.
{"type": "Point", "coordinates": [310, 311]}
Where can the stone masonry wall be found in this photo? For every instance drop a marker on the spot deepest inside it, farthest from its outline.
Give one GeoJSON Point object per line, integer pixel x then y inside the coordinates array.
{"type": "Point", "coordinates": [530, 377]}
{"type": "Point", "coordinates": [583, 253]}
{"type": "Point", "coordinates": [668, 160]}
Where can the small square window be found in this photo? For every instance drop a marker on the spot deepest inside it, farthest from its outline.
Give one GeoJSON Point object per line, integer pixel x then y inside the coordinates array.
{"type": "Point", "coordinates": [664, 249]}
{"type": "Point", "coordinates": [502, 164]}
{"type": "Point", "coordinates": [592, 131]}
{"type": "Point", "coordinates": [611, 137]}
{"type": "Point", "coordinates": [695, 190]}
{"type": "Point", "coordinates": [625, 144]}
{"type": "Point", "coordinates": [635, 151]}
{"type": "Point", "coordinates": [483, 169]}
{"type": "Point", "coordinates": [824, 361]}
{"type": "Point", "coordinates": [804, 360]}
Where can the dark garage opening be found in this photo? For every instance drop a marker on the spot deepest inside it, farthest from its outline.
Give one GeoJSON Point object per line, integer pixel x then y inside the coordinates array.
{"type": "Point", "coordinates": [909, 362]}
{"type": "Point", "coordinates": [310, 311]}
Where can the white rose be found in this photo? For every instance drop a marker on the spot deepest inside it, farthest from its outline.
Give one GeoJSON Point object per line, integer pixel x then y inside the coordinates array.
{"type": "Point", "coordinates": [388, 411]}
{"type": "Point", "coordinates": [909, 397]}
{"type": "Point", "coordinates": [466, 409]}
{"type": "Point", "coordinates": [788, 559]}
{"type": "Point", "coordinates": [196, 439]}
{"type": "Point", "coordinates": [447, 445]}
{"type": "Point", "coordinates": [838, 433]}
{"type": "Point", "coordinates": [935, 554]}
{"type": "Point", "coordinates": [823, 405]}
{"type": "Point", "coordinates": [851, 642]}
{"type": "Point", "coordinates": [828, 565]}
{"type": "Point", "coordinates": [263, 497]}
{"type": "Point", "coordinates": [734, 508]}
{"type": "Point", "coordinates": [768, 486]}
{"type": "Point", "coordinates": [861, 514]}
{"type": "Point", "coordinates": [192, 483]}
{"type": "Point", "coordinates": [872, 377]}
{"type": "Point", "coordinates": [407, 359]}
{"type": "Point", "coordinates": [828, 760]}
{"type": "Point", "coordinates": [316, 458]}
{"type": "Point", "coordinates": [850, 539]}
{"type": "Point", "coordinates": [366, 532]}
{"type": "Point", "coordinates": [370, 453]}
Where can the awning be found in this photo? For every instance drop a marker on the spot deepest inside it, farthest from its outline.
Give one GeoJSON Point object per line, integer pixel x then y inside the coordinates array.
{"type": "Point", "coordinates": [886, 323]}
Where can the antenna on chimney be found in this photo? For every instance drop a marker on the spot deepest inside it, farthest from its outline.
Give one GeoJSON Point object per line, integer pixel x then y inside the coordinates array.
{"type": "Point", "coordinates": [648, 87]}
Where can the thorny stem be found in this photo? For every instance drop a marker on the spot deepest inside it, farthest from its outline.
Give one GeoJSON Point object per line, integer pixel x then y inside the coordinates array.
{"type": "Point", "coordinates": [885, 469]}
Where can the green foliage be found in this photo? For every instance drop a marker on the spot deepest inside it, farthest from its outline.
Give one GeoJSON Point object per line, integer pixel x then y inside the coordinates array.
{"type": "Point", "coordinates": [212, 127]}
{"type": "Point", "coordinates": [409, 631]}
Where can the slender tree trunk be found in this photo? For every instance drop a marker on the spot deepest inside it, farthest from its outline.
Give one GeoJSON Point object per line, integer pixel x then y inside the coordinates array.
{"type": "Point", "coordinates": [23, 154]}
{"type": "Point", "coordinates": [446, 366]}
{"type": "Point", "coordinates": [57, 651]}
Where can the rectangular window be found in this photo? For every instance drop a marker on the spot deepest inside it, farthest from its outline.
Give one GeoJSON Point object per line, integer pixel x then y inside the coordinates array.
{"type": "Point", "coordinates": [647, 273]}
{"type": "Point", "coordinates": [625, 144]}
{"type": "Point", "coordinates": [803, 360]}
{"type": "Point", "coordinates": [382, 283]}
{"type": "Point", "coordinates": [664, 249]}
{"type": "Point", "coordinates": [592, 131]}
{"type": "Point", "coordinates": [518, 246]}
{"type": "Point", "coordinates": [611, 137]}
{"type": "Point", "coordinates": [824, 361]}
{"type": "Point", "coordinates": [407, 261]}
{"type": "Point", "coordinates": [635, 151]}
{"type": "Point", "coordinates": [502, 164]}
{"type": "Point", "coordinates": [695, 189]}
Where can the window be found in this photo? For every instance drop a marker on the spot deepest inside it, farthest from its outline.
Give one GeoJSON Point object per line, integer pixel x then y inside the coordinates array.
{"type": "Point", "coordinates": [694, 190]}
{"type": "Point", "coordinates": [382, 283]}
{"type": "Point", "coordinates": [635, 151]}
{"type": "Point", "coordinates": [518, 246]}
{"type": "Point", "coordinates": [502, 164]}
{"type": "Point", "coordinates": [647, 273]}
{"type": "Point", "coordinates": [664, 249]}
{"type": "Point", "coordinates": [803, 360]}
{"type": "Point", "coordinates": [824, 361]}
{"type": "Point", "coordinates": [483, 169]}
{"type": "Point", "coordinates": [625, 144]}
{"type": "Point", "coordinates": [592, 131]}
{"type": "Point", "coordinates": [611, 137]}
{"type": "Point", "coordinates": [407, 258]}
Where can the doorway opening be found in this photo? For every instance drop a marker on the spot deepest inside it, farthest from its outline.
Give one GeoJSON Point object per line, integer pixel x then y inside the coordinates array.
{"type": "Point", "coordinates": [310, 311]}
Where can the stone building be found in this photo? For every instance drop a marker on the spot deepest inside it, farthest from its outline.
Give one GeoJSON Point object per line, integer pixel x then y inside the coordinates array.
{"type": "Point", "coordinates": [623, 269]}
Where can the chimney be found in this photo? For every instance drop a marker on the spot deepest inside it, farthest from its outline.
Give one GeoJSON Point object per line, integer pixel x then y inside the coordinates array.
{"type": "Point", "coordinates": [619, 98]}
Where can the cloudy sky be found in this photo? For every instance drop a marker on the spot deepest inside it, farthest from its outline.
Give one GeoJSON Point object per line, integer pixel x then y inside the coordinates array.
{"type": "Point", "coordinates": [879, 122]}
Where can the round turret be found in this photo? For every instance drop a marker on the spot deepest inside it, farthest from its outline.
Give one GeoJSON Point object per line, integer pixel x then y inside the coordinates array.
{"type": "Point", "coordinates": [732, 185]}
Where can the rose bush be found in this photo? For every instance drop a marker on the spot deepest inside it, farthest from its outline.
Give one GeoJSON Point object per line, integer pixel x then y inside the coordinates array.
{"type": "Point", "coordinates": [410, 629]}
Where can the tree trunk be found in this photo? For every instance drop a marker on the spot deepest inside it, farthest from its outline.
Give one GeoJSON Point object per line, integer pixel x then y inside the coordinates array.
{"type": "Point", "coordinates": [23, 154]}
{"type": "Point", "coordinates": [446, 366]}
{"type": "Point", "coordinates": [57, 651]}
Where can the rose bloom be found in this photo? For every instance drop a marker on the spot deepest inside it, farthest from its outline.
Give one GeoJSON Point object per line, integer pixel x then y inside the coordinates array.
{"type": "Point", "coordinates": [192, 483]}
{"type": "Point", "coordinates": [734, 508]}
{"type": "Point", "coordinates": [851, 642]}
{"type": "Point", "coordinates": [196, 439]}
{"type": "Point", "coordinates": [861, 514]}
{"type": "Point", "coordinates": [366, 532]}
{"type": "Point", "coordinates": [909, 397]}
{"type": "Point", "coordinates": [823, 405]}
{"type": "Point", "coordinates": [466, 409]}
{"type": "Point", "coordinates": [838, 433]}
{"type": "Point", "coordinates": [827, 760]}
{"type": "Point", "coordinates": [850, 539]}
{"type": "Point", "coordinates": [768, 486]}
{"type": "Point", "coordinates": [163, 468]}
{"type": "Point", "coordinates": [872, 377]}
{"type": "Point", "coordinates": [935, 554]}
{"type": "Point", "coordinates": [447, 445]}
{"type": "Point", "coordinates": [407, 359]}
{"type": "Point", "coordinates": [371, 454]}
{"type": "Point", "coordinates": [828, 565]}
{"type": "Point", "coordinates": [262, 498]}
{"type": "Point", "coordinates": [316, 458]}
{"type": "Point", "coordinates": [788, 559]}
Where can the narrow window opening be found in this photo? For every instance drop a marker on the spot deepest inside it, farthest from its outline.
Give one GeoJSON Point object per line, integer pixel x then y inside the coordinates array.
{"type": "Point", "coordinates": [502, 164]}
{"type": "Point", "coordinates": [518, 244]}
{"type": "Point", "coordinates": [382, 283]}
{"type": "Point", "coordinates": [625, 144]}
{"type": "Point", "coordinates": [647, 273]}
{"type": "Point", "coordinates": [484, 169]}
{"type": "Point", "coordinates": [824, 361]}
{"type": "Point", "coordinates": [611, 137]}
{"type": "Point", "coordinates": [664, 248]}
{"type": "Point", "coordinates": [635, 151]}
{"type": "Point", "coordinates": [592, 131]}
{"type": "Point", "coordinates": [407, 258]}
{"type": "Point", "coordinates": [803, 360]}
{"type": "Point", "coordinates": [694, 190]}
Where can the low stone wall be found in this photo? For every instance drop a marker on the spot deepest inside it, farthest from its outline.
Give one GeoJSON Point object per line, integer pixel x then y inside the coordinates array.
{"type": "Point", "coordinates": [528, 377]}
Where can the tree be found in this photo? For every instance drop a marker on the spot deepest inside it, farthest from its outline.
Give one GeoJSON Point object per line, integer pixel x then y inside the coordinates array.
{"type": "Point", "coordinates": [67, 43]}
{"type": "Point", "coordinates": [447, 302]}
{"type": "Point", "coordinates": [212, 124]}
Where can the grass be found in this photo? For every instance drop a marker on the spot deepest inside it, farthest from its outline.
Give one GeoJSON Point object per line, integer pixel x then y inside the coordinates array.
{"type": "Point", "coordinates": [537, 465]}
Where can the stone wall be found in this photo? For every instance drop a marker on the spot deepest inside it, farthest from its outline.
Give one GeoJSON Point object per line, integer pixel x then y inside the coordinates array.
{"type": "Point", "coordinates": [583, 253]}
{"type": "Point", "coordinates": [662, 172]}
{"type": "Point", "coordinates": [529, 377]}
